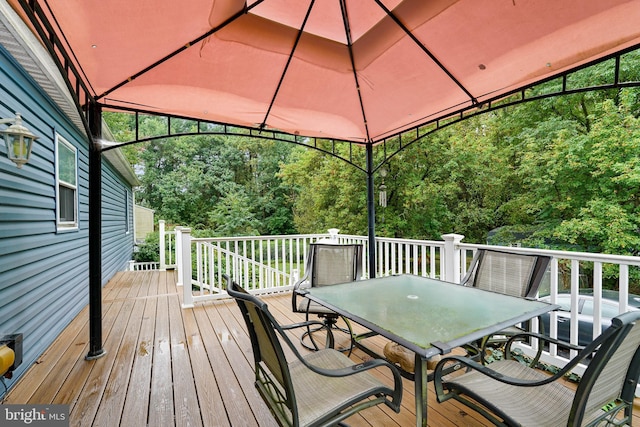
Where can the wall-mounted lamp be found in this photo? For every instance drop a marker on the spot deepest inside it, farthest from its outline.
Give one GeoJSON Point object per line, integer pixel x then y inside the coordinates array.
{"type": "Point", "coordinates": [18, 140]}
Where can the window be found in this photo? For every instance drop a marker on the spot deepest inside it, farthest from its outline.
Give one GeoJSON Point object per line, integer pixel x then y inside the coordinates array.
{"type": "Point", "coordinates": [66, 184]}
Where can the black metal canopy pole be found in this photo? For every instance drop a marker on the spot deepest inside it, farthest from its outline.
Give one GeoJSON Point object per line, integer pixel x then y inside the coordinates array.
{"type": "Point", "coordinates": [95, 234]}
{"type": "Point", "coordinates": [371, 212]}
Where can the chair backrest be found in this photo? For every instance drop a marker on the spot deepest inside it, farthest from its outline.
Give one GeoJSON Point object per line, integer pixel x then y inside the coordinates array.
{"type": "Point", "coordinates": [331, 264]}
{"type": "Point", "coordinates": [273, 378]}
{"type": "Point", "coordinates": [508, 273]}
{"type": "Point", "coordinates": [613, 371]}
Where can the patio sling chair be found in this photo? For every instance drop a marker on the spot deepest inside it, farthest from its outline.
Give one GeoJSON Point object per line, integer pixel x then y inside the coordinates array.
{"type": "Point", "coordinates": [509, 393]}
{"type": "Point", "coordinates": [327, 264]}
{"type": "Point", "coordinates": [509, 273]}
{"type": "Point", "coordinates": [320, 389]}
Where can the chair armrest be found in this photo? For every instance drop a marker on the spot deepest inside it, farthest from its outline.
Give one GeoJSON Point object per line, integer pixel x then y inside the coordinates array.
{"type": "Point", "coordinates": [350, 370]}
{"type": "Point", "coordinates": [297, 287]}
{"type": "Point", "coordinates": [486, 370]}
{"type": "Point", "coordinates": [301, 285]}
{"type": "Point", "coordinates": [302, 324]}
{"type": "Point", "coordinates": [585, 352]}
{"type": "Point", "coordinates": [542, 338]}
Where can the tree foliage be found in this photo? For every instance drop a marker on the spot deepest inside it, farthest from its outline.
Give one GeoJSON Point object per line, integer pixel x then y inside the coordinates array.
{"type": "Point", "coordinates": [226, 185]}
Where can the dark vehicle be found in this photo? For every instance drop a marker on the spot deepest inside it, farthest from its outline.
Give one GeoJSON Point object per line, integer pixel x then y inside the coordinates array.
{"type": "Point", "coordinates": [610, 309]}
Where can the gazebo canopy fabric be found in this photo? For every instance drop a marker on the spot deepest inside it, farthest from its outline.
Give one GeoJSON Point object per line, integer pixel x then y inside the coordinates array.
{"type": "Point", "coordinates": [355, 70]}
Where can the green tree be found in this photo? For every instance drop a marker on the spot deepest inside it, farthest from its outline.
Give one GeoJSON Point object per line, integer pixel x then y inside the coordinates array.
{"type": "Point", "coordinates": [197, 180]}
{"type": "Point", "coordinates": [606, 218]}
{"type": "Point", "coordinates": [185, 176]}
{"type": "Point", "coordinates": [268, 195]}
{"type": "Point", "coordinates": [327, 193]}
{"type": "Point", "coordinates": [233, 216]}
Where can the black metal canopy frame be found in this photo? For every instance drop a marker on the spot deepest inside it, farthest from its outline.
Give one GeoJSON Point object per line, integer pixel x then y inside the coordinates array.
{"type": "Point", "coordinates": [360, 155]}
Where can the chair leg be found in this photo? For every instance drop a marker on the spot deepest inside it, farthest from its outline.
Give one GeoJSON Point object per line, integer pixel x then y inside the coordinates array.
{"type": "Point", "coordinates": [349, 332]}
{"type": "Point", "coordinates": [309, 333]}
{"type": "Point", "coordinates": [330, 325]}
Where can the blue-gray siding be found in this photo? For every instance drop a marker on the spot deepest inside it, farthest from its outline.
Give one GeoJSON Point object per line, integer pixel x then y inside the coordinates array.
{"type": "Point", "coordinates": [117, 230]}
{"type": "Point", "coordinates": [44, 274]}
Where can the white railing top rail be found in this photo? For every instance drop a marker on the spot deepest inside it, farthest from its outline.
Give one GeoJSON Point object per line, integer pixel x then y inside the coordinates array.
{"type": "Point", "coordinates": [580, 256]}
{"type": "Point", "coordinates": [436, 243]}
{"type": "Point", "coordinates": [340, 237]}
{"type": "Point", "coordinates": [261, 238]}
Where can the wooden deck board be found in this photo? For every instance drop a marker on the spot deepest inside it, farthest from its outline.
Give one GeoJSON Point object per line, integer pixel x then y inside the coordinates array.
{"type": "Point", "coordinates": [112, 402]}
{"type": "Point", "coordinates": [169, 366]}
{"type": "Point", "coordinates": [207, 387]}
{"type": "Point", "coordinates": [136, 399]}
{"type": "Point", "coordinates": [184, 388]}
{"type": "Point", "coordinates": [229, 334]}
{"type": "Point", "coordinates": [161, 394]}
{"type": "Point", "coordinates": [55, 364]}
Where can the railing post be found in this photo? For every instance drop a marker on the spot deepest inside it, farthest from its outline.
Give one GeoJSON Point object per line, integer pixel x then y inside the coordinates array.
{"type": "Point", "coordinates": [452, 257]}
{"type": "Point", "coordinates": [185, 267]}
{"type": "Point", "coordinates": [178, 242]}
{"type": "Point", "coordinates": [162, 247]}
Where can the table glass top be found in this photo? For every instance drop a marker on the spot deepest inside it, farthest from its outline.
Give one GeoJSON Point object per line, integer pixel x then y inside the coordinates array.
{"type": "Point", "coordinates": [417, 311]}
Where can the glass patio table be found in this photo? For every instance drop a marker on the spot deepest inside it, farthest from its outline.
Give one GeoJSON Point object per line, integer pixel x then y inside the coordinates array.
{"type": "Point", "coordinates": [427, 316]}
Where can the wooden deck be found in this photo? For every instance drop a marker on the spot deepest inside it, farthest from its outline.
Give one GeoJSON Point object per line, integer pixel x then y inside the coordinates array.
{"type": "Point", "coordinates": [169, 366]}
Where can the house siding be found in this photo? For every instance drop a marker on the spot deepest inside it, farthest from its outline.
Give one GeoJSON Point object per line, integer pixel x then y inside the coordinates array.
{"type": "Point", "coordinates": [44, 273]}
{"type": "Point", "coordinates": [117, 222]}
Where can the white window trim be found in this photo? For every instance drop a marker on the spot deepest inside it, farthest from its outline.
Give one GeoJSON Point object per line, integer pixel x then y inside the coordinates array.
{"type": "Point", "coordinates": [66, 225]}
{"type": "Point", "coordinates": [127, 211]}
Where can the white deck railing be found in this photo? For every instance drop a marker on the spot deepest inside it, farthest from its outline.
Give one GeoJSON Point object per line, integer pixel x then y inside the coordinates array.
{"type": "Point", "coordinates": [266, 264]}
{"type": "Point", "coordinates": [143, 266]}
{"type": "Point", "coordinates": [167, 242]}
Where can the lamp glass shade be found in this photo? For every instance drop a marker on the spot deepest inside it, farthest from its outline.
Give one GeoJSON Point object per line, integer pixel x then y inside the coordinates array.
{"type": "Point", "coordinates": [19, 142]}
{"type": "Point", "coordinates": [18, 148]}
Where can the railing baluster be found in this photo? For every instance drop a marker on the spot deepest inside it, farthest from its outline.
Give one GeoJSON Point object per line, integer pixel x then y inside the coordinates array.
{"type": "Point", "coordinates": [623, 286]}
{"type": "Point", "coordinates": [290, 263]}
{"type": "Point", "coordinates": [219, 264]}
{"type": "Point", "coordinates": [407, 258]}
{"type": "Point", "coordinates": [199, 265]}
{"type": "Point", "coordinates": [553, 287]}
{"type": "Point", "coordinates": [255, 255]}
{"type": "Point", "coordinates": [597, 298]}
{"type": "Point", "coordinates": [575, 286]}
{"type": "Point", "coordinates": [212, 271]}
{"type": "Point", "coordinates": [261, 262]}
{"type": "Point", "coordinates": [394, 259]}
